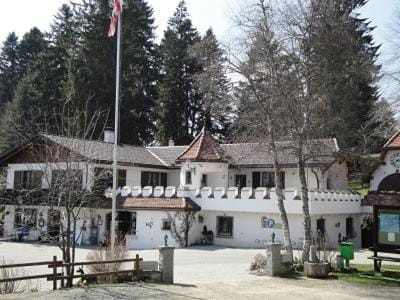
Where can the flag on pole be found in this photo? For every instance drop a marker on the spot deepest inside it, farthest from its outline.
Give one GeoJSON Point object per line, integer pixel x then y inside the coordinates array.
{"type": "Point", "coordinates": [117, 9]}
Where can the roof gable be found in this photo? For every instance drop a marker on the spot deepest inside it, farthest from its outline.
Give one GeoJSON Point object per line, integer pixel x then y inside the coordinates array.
{"type": "Point", "coordinates": [203, 148]}
{"type": "Point", "coordinates": [393, 142]}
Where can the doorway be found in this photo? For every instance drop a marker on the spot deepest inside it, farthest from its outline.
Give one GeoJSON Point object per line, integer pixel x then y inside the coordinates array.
{"type": "Point", "coordinates": [123, 224]}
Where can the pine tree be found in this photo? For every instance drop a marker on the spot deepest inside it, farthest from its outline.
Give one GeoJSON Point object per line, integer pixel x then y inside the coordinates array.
{"type": "Point", "coordinates": [39, 96]}
{"type": "Point", "coordinates": [92, 75]}
{"type": "Point", "coordinates": [179, 101]}
{"type": "Point", "coordinates": [32, 44]}
{"type": "Point", "coordinates": [140, 73]}
{"type": "Point", "coordinates": [9, 75]}
{"type": "Point", "coordinates": [213, 84]}
{"type": "Point", "coordinates": [342, 48]}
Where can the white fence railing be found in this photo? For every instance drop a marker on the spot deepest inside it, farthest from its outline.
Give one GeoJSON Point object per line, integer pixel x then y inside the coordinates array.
{"type": "Point", "coordinates": [253, 200]}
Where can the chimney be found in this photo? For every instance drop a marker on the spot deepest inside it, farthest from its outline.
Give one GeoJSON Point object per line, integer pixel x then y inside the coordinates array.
{"type": "Point", "coordinates": [171, 143]}
{"type": "Point", "coordinates": [109, 135]}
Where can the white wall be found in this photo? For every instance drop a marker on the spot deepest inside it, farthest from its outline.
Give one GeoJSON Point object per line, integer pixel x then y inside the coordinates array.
{"type": "Point", "coordinates": [47, 170]}
{"type": "Point", "coordinates": [333, 228]}
{"type": "Point", "coordinates": [382, 171]}
{"type": "Point", "coordinates": [291, 176]}
{"type": "Point", "coordinates": [247, 228]}
{"type": "Point", "coordinates": [217, 174]}
{"type": "Point", "coordinates": [149, 233]}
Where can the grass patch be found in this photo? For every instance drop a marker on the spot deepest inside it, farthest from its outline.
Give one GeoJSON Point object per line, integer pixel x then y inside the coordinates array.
{"type": "Point", "coordinates": [359, 187]}
{"type": "Point", "coordinates": [364, 274]}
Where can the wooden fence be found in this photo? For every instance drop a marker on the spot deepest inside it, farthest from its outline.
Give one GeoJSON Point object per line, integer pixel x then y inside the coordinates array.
{"type": "Point", "coordinates": [55, 275]}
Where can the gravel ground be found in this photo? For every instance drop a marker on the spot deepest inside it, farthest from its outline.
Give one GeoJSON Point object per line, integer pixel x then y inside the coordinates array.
{"type": "Point", "coordinates": [261, 288]}
{"type": "Point", "coordinates": [200, 273]}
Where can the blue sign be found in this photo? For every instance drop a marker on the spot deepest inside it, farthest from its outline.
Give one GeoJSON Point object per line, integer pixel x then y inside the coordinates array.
{"type": "Point", "coordinates": [270, 223]}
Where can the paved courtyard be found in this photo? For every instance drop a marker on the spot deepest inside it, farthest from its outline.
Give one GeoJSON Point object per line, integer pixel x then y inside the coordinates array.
{"type": "Point", "coordinates": [200, 273]}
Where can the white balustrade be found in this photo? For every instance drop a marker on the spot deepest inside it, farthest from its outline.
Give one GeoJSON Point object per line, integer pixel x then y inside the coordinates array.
{"type": "Point", "coordinates": [136, 191]}
{"type": "Point", "coordinates": [206, 192]}
{"type": "Point", "coordinates": [158, 191]}
{"type": "Point", "coordinates": [260, 193]}
{"type": "Point", "coordinates": [147, 191]}
{"type": "Point", "coordinates": [170, 191]}
{"type": "Point", "coordinates": [246, 193]}
{"type": "Point", "coordinates": [126, 191]}
{"type": "Point", "coordinates": [219, 192]}
{"type": "Point", "coordinates": [232, 192]}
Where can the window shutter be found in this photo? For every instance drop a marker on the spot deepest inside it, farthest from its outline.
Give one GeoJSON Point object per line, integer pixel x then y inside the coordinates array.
{"type": "Point", "coordinates": [256, 179]}
{"type": "Point", "coordinates": [17, 179]}
{"type": "Point", "coordinates": [164, 179]}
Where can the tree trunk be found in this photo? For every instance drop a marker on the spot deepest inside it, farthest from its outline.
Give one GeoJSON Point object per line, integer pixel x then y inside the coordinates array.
{"type": "Point", "coordinates": [187, 230]}
{"type": "Point", "coordinates": [279, 194]}
{"type": "Point", "coordinates": [68, 249]}
{"type": "Point", "coordinates": [306, 210]}
{"type": "Point", "coordinates": [73, 247]}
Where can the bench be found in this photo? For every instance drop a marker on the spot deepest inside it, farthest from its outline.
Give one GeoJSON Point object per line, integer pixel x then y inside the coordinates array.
{"type": "Point", "coordinates": [378, 259]}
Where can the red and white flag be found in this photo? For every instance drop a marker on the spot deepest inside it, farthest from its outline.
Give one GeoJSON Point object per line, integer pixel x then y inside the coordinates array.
{"type": "Point", "coordinates": [117, 10]}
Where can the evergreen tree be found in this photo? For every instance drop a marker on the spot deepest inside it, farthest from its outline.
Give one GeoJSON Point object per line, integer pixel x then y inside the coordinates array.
{"type": "Point", "coordinates": [9, 75]}
{"type": "Point", "coordinates": [342, 48]}
{"type": "Point", "coordinates": [179, 101]}
{"type": "Point", "coordinates": [92, 77]}
{"type": "Point", "coordinates": [213, 84]}
{"type": "Point", "coordinates": [32, 44]}
{"type": "Point", "coordinates": [140, 73]}
{"type": "Point", "coordinates": [39, 97]}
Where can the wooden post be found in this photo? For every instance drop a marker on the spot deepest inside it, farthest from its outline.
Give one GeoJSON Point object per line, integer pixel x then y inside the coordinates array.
{"type": "Point", "coordinates": [137, 268]}
{"type": "Point", "coordinates": [54, 272]}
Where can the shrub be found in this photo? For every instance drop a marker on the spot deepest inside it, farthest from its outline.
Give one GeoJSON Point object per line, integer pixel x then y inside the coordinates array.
{"type": "Point", "coordinates": [11, 287]}
{"type": "Point", "coordinates": [104, 254]}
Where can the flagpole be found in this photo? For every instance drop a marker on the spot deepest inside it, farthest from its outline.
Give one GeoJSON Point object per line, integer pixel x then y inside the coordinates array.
{"type": "Point", "coordinates": [116, 135]}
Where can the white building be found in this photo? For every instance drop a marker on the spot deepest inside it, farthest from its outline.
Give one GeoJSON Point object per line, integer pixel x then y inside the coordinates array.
{"type": "Point", "coordinates": [227, 188]}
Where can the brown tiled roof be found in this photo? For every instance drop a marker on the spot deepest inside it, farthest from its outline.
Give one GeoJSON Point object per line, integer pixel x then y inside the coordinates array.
{"type": "Point", "coordinates": [103, 151]}
{"type": "Point", "coordinates": [131, 203]}
{"type": "Point", "coordinates": [203, 148]}
{"type": "Point", "coordinates": [167, 154]}
{"type": "Point", "coordinates": [393, 142]}
{"type": "Point", "coordinates": [320, 151]}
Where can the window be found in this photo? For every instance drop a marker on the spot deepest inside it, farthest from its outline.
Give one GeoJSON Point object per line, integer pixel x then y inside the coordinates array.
{"type": "Point", "coordinates": [27, 179]}
{"type": "Point", "coordinates": [104, 178]}
{"type": "Point", "coordinates": [266, 179]}
{"type": "Point", "coordinates": [328, 183]}
{"type": "Point", "coordinates": [69, 177]}
{"type": "Point", "coordinates": [321, 227]}
{"type": "Point", "coordinates": [349, 228]}
{"type": "Point", "coordinates": [203, 180]}
{"type": "Point", "coordinates": [188, 177]}
{"type": "Point", "coordinates": [225, 227]}
{"type": "Point", "coordinates": [166, 225]}
{"type": "Point", "coordinates": [25, 217]}
{"type": "Point", "coordinates": [153, 179]}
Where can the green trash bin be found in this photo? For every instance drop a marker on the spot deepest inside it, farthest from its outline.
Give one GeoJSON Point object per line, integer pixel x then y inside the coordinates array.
{"type": "Point", "coordinates": [347, 250]}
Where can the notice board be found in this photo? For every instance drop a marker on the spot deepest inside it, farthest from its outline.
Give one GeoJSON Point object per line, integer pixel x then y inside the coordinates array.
{"type": "Point", "coordinates": [387, 222]}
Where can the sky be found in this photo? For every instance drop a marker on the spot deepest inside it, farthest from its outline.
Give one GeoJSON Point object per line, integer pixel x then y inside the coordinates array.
{"type": "Point", "coordinates": [204, 14]}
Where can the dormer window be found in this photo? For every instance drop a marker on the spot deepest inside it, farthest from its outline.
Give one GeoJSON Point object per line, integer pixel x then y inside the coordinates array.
{"type": "Point", "coordinates": [188, 177]}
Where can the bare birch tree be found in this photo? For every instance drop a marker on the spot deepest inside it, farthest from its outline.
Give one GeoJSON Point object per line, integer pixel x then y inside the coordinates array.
{"type": "Point", "coordinates": [64, 162]}
{"type": "Point", "coordinates": [263, 69]}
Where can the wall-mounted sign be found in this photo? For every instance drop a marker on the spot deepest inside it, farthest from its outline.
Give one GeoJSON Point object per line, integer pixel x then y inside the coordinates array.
{"type": "Point", "coordinates": [267, 223]}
